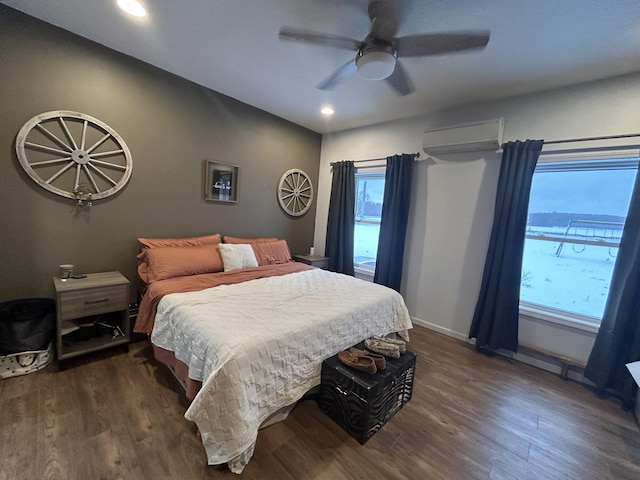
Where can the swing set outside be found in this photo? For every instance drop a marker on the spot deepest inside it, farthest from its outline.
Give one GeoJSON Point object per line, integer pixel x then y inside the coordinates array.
{"type": "Point", "coordinates": [583, 233]}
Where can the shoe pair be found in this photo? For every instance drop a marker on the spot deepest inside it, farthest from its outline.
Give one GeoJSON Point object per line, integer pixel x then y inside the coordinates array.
{"type": "Point", "coordinates": [402, 346]}
{"type": "Point", "coordinates": [362, 360]}
{"type": "Point", "coordinates": [388, 347]}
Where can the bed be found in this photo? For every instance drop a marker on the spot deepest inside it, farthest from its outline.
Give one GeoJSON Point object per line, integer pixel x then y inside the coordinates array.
{"type": "Point", "coordinates": [247, 329]}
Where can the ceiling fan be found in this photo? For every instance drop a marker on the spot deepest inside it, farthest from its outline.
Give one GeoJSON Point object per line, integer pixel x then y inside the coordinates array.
{"type": "Point", "coordinates": [377, 55]}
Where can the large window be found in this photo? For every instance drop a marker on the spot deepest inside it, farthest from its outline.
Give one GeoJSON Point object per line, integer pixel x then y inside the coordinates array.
{"type": "Point", "coordinates": [369, 195]}
{"type": "Point", "coordinates": [577, 211]}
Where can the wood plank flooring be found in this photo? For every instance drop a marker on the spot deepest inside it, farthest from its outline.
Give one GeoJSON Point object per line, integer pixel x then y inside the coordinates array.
{"type": "Point", "coordinates": [120, 415]}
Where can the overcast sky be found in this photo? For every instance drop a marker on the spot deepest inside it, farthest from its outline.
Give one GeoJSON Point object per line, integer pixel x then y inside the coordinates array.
{"type": "Point", "coordinates": [603, 192]}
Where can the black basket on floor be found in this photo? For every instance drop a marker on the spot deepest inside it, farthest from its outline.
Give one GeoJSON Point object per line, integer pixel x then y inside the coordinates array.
{"type": "Point", "coordinates": [27, 325]}
{"type": "Point", "coordinates": [362, 403]}
{"type": "Point", "coordinates": [27, 328]}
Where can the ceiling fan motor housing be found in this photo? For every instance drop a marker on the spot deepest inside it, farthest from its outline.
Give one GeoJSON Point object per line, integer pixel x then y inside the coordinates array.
{"type": "Point", "coordinates": [376, 59]}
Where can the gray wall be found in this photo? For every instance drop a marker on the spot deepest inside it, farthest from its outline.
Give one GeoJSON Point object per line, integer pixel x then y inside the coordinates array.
{"type": "Point", "coordinates": [170, 125]}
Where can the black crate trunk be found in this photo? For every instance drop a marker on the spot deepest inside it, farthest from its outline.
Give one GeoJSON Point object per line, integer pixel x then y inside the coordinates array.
{"type": "Point", "coordinates": [362, 403]}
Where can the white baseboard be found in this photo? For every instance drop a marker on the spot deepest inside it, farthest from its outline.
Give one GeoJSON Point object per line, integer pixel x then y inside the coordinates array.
{"type": "Point", "coordinates": [437, 328]}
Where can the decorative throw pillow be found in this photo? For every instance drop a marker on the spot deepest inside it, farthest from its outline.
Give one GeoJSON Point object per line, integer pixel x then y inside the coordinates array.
{"type": "Point", "coordinates": [272, 253]}
{"type": "Point", "coordinates": [169, 262]}
{"type": "Point", "coordinates": [149, 243]}
{"type": "Point", "coordinates": [237, 256]}
{"type": "Point", "coordinates": [228, 239]}
{"type": "Point", "coordinates": [179, 242]}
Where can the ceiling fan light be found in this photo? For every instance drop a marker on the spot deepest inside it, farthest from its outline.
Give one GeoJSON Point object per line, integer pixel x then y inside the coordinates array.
{"type": "Point", "coordinates": [376, 65]}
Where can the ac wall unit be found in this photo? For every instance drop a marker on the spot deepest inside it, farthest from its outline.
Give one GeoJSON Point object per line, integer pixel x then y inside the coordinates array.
{"type": "Point", "coordinates": [471, 137]}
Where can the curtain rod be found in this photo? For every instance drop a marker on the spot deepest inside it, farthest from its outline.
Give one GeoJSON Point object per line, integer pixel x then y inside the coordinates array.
{"type": "Point", "coordinates": [588, 139]}
{"type": "Point", "coordinates": [415, 156]}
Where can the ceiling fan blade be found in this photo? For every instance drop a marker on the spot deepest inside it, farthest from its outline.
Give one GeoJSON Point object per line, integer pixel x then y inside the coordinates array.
{"type": "Point", "coordinates": [400, 81]}
{"type": "Point", "coordinates": [439, 43]}
{"type": "Point", "coordinates": [339, 76]}
{"type": "Point", "coordinates": [383, 23]}
{"type": "Point", "coordinates": [308, 36]}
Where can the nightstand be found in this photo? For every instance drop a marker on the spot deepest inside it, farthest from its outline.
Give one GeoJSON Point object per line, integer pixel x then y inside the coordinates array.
{"type": "Point", "coordinates": [92, 313]}
{"type": "Point", "coordinates": [315, 260]}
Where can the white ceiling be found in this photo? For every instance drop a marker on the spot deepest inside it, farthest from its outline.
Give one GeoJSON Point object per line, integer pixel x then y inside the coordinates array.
{"type": "Point", "coordinates": [232, 47]}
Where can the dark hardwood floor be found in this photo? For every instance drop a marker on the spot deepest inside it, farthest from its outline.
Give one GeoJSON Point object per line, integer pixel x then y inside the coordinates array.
{"type": "Point", "coordinates": [120, 415]}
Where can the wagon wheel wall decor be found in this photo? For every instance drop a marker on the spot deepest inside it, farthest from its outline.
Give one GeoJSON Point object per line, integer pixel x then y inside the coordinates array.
{"type": "Point", "coordinates": [295, 192]}
{"type": "Point", "coordinates": [74, 155]}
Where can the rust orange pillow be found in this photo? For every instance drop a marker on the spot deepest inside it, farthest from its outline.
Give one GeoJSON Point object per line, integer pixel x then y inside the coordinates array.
{"type": "Point", "coordinates": [169, 262]}
{"type": "Point", "coordinates": [228, 239]}
{"type": "Point", "coordinates": [179, 242]}
{"type": "Point", "coordinates": [272, 253]}
{"type": "Point", "coordinates": [149, 243]}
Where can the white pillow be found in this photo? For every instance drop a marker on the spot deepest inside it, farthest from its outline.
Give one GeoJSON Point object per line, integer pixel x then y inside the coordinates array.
{"type": "Point", "coordinates": [237, 256]}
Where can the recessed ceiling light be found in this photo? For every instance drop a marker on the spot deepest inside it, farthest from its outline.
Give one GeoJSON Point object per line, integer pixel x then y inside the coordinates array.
{"type": "Point", "coordinates": [132, 7]}
{"type": "Point", "coordinates": [327, 110]}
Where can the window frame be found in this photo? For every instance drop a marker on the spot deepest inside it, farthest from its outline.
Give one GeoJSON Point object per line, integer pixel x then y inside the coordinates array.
{"type": "Point", "coordinates": [618, 157]}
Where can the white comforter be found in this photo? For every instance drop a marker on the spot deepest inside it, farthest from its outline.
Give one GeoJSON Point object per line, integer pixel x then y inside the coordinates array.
{"type": "Point", "coordinates": [258, 346]}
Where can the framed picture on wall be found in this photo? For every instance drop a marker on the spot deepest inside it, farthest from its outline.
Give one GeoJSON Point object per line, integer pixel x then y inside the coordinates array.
{"type": "Point", "coordinates": [220, 182]}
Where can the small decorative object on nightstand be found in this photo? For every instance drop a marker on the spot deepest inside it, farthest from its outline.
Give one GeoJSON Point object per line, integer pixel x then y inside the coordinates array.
{"type": "Point", "coordinates": [315, 260]}
{"type": "Point", "coordinates": [92, 313]}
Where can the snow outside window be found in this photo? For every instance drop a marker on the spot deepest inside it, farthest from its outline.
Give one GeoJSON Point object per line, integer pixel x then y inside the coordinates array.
{"type": "Point", "coordinates": [369, 196]}
{"type": "Point", "coordinates": [577, 211]}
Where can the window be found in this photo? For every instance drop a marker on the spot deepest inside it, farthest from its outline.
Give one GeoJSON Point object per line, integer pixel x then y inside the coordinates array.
{"type": "Point", "coordinates": [369, 195]}
{"type": "Point", "coordinates": [577, 211]}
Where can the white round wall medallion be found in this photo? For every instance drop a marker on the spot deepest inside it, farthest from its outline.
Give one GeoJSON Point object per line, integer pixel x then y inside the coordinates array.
{"type": "Point", "coordinates": [295, 192]}
{"type": "Point", "coordinates": [74, 155]}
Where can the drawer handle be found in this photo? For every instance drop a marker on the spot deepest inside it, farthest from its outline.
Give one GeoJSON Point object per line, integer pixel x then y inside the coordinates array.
{"type": "Point", "coordinates": [91, 302]}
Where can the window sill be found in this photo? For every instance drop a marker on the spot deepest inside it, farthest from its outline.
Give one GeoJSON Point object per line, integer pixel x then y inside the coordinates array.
{"type": "Point", "coordinates": [558, 317]}
{"type": "Point", "coordinates": [363, 273]}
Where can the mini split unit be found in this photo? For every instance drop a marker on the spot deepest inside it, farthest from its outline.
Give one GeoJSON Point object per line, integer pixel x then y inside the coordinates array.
{"type": "Point", "coordinates": [472, 137]}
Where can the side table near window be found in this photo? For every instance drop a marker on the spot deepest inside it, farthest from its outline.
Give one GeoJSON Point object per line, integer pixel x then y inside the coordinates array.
{"type": "Point", "coordinates": [92, 313]}
{"type": "Point", "coordinates": [314, 260]}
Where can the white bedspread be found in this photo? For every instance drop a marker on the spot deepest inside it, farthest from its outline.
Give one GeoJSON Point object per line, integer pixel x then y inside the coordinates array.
{"type": "Point", "coordinates": [258, 346]}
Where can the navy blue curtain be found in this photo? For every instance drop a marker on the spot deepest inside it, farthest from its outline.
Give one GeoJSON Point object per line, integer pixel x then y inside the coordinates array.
{"type": "Point", "coordinates": [495, 321]}
{"type": "Point", "coordinates": [393, 222]}
{"type": "Point", "coordinates": [618, 339]}
{"type": "Point", "coordinates": [342, 217]}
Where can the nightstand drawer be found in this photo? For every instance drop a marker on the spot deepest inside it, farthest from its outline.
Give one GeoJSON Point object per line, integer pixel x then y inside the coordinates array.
{"type": "Point", "coordinates": [81, 303]}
